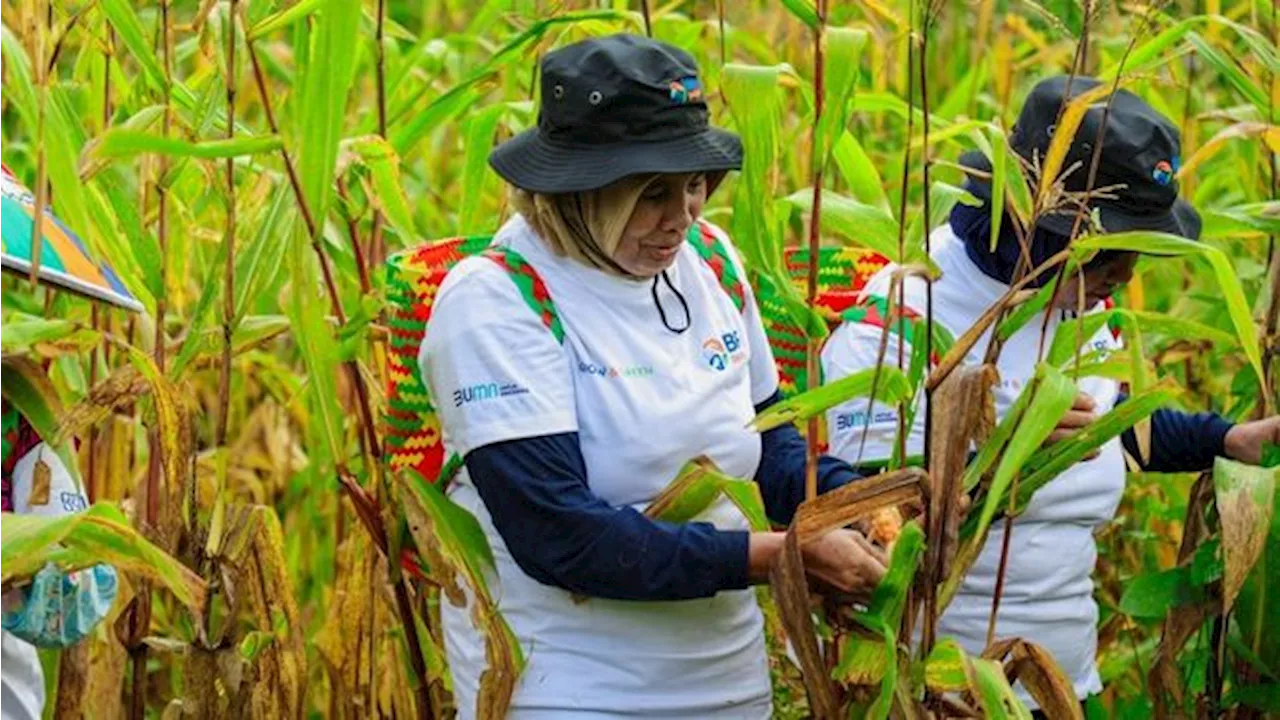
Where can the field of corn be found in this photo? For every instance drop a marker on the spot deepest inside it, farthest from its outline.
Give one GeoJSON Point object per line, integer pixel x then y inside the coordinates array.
{"type": "Point", "coordinates": [247, 167]}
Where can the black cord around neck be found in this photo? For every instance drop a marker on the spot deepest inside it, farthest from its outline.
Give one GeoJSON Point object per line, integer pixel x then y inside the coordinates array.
{"type": "Point", "coordinates": [688, 318]}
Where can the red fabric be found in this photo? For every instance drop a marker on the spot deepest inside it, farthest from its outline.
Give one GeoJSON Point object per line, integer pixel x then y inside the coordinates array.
{"type": "Point", "coordinates": [21, 440]}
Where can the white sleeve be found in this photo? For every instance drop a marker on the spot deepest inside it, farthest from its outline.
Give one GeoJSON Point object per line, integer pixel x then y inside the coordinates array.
{"type": "Point", "coordinates": [764, 372]}
{"type": "Point", "coordinates": [43, 486]}
{"type": "Point", "coordinates": [851, 348]}
{"type": "Point", "coordinates": [494, 371]}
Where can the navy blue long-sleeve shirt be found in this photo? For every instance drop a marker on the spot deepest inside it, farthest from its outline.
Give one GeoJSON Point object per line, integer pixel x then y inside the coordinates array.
{"type": "Point", "coordinates": [562, 534]}
{"type": "Point", "coordinates": [1180, 442]}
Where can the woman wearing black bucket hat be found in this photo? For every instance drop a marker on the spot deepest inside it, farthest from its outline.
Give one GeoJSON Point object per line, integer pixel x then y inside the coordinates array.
{"type": "Point", "coordinates": [1048, 593]}
{"type": "Point", "coordinates": [646, 352]}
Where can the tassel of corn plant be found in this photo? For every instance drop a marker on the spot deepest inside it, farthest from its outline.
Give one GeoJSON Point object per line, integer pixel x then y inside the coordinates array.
{"type": "Point", "coordinates": [815, 225]}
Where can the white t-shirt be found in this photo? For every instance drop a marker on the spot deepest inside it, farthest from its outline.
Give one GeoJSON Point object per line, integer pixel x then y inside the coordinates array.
{"type": "Point", "coordinates": [644, 400]}
{"type": "Point", "coordinates": [1048, 593]}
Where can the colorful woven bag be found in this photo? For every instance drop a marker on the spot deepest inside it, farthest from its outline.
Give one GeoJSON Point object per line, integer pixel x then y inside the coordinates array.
{"type": "Point", "coordinates": [842, 274]}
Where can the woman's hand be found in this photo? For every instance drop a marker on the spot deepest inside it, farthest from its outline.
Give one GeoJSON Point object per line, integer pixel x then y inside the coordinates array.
{"type": "Point", "coordinates": [842, 562]}
{"type": "Point", "coordinates": [1244, 442]}
{"type": "Point", "coordinates": [1076, 419]}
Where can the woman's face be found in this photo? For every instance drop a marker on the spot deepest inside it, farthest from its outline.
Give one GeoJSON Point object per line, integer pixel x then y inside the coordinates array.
{"type": "Point", "coordinates": [1099, 282]}
{"type": "Point", "coordinates": [656, 230]}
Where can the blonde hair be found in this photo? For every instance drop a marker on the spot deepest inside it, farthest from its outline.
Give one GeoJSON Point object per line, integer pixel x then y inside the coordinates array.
{"type": "Point", "coordinates": [585, 226]}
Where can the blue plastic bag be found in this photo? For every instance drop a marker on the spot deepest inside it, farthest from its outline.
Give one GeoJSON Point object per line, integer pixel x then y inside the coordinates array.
{"type": "Point", "coordinates": [59, 609]}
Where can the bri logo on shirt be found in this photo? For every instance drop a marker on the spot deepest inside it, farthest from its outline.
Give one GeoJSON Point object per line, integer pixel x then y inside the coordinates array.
{"type": "Point", "coordinates": [719, 352]}
{"type": "Point", "coordinates": [486, 391]}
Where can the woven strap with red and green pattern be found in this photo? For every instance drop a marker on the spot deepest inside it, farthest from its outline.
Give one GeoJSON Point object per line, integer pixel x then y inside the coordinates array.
{"type": "Point", "coordinates": [712, 250]}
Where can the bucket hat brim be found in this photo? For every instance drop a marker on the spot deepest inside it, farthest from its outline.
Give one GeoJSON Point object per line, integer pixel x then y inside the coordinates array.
{"type": "Point", "coordinates": [533, 163]}
{"type": "Point", "coordinates": [1179, 219]}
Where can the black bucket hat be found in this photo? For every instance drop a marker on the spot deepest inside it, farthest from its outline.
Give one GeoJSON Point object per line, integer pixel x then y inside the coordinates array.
{"type": "Point", "coordinates": [611, 107]}
{"type": "Point", "coordinates": [1140, 151]}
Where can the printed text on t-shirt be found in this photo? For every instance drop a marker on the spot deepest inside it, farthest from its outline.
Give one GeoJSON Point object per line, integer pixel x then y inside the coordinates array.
{"type": "Point", "coordinates": [486, 391]}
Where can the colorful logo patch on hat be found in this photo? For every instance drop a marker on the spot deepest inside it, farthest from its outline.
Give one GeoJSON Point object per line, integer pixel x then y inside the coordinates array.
{"type": "Point", "coordinates": [1163, 172]}
{"type": "Point", "coordinates": [686, 90]}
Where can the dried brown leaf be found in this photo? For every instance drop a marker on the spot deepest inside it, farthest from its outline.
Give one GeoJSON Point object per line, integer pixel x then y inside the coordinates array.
{"type": "Point", "coordinates": [961, 406]}
{"type": "Point", "coordinates": [791, 593]}
{"type": "Point", "coordinates": [1045, 681]}
{"type": "Point", "coordinates": [346, 641]}
{"type": "Point", "coordinates": [123, 387]}
{"type": "Point", "coordinates": [855, 501]}
{"type": "Point", "coordinates": [1244, 496]}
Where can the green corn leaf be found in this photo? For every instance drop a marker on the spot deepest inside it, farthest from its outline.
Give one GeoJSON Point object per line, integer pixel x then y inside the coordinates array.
{"type": "Point", "coordinates": [999, 167]}
{"type": "Point", "coordinates": [20, 335]}
{"type": "Point", "coordinates": [27, 388]}
{"type": "Point", "coordinates": [201, 315]}
{"type": "Point", "coordinates": [995, 695]}
{"type": "Point", "coordinates": [893, 387]}
{"type": "Point", "coordinates": [697, 486]}
{"type": "Point", "coordinates": [889, 599]}
{"type": "Point", "coordinates": [100, 534]}
{"type": "Point", "coordinates": [844, 59]}
{"type": "Point", "coordinates": [327, 82]}
{"type": "Point", "coordinates": [1153, 595]}
{"type": "Point", "coordinates": [1048, 463]}
{"type": "Point", "coordinates": [944, 670]}
{"type": "Point", "coordinates": [463, 95]}
{"type": "Point", "coordinates": [260, 263]}
{"type": "Point", "coordinates": [479, 131]}
{"type": "Point", "coordinates": [858, 170]}
{"type": "Point", "coordinates": [1231, 71]}
{"type": "Point", "coordinates": [1024, 313]}
{"type": "Point", "coordinates": [1151, 51]}
{"type": "Point", "coordinates": [1071, 335]}
{"type": "Point", "coordinates": [129, 30]}
{"type": "Point", "coordinates": [995, 444]}
{"type": "Point", "coordinates": [284, 18]}
{"type": "Point", "coordinates": [384, 169]}
{"type": "Point", "coordinates": [1260, 47]}
{"type": "Point", "coordinates": [1263, 217]}
{"type": "Point", "coordinates": [448, 534]}
{"type": "Point", "coordinates": [120, 143]}
{"type": "Point", "coordinates": [755, 101]}
{"type": "Point", "coordinates": [315, 339]}
{"type": "Point", "coordinates": [803, 10]}
{"type": "Point", "coordinates": [745, 495]}
{"type": "Point", "coordinates": [1153, 243]}
{"type": "Point", "coordinates": [1052, 397]}
{"type": "Point", "coordinates": [864, 225]}
{"type": "Point", "coordinates": [459, 533]}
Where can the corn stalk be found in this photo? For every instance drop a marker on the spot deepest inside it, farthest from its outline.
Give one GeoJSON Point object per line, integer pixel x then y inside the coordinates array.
{"type": "Point", "coordinates": [366, 508]}
{"type": "Point", "coordinates": [813, 346]}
